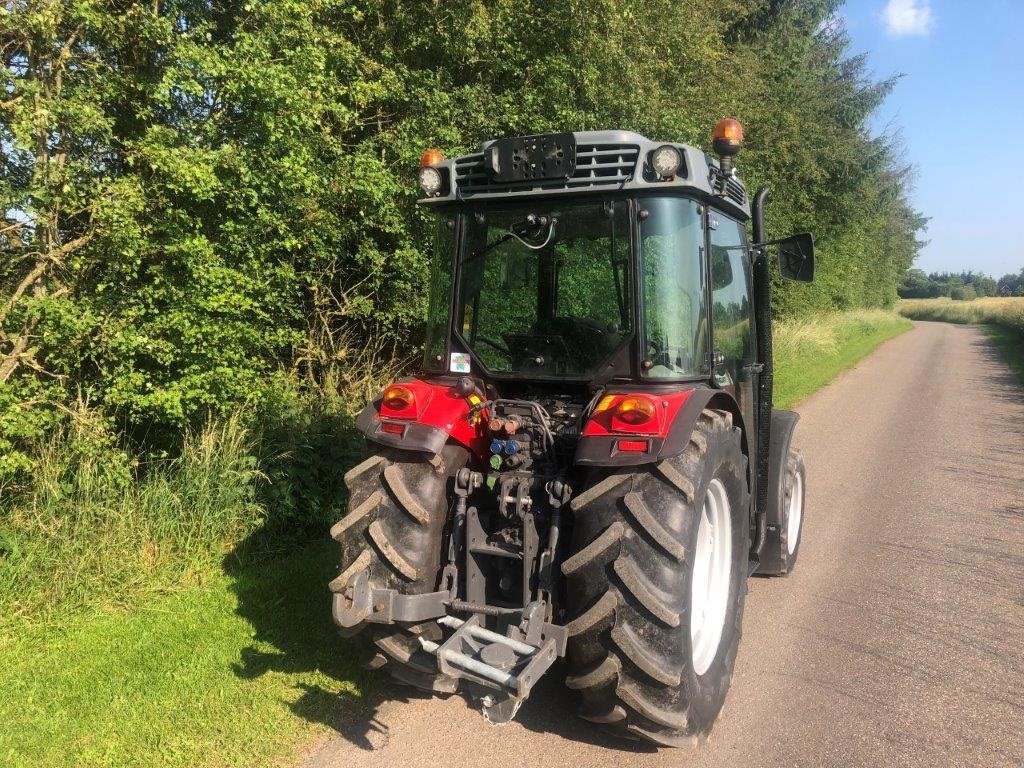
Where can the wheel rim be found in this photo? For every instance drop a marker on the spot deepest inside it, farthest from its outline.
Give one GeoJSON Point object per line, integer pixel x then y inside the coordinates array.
{"type": "Point", "coordinates": [712, 571]}
{"type": "Point", "coordinates": [795, 512]}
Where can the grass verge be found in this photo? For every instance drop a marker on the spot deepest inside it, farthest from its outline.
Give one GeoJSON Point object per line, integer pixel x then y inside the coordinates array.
{"type": "Point", "coordinates": [811, 352]}
{"type": "Point", "coordinates": [129, 641]}
{"type": "Point", "coordinates": [235, 672]}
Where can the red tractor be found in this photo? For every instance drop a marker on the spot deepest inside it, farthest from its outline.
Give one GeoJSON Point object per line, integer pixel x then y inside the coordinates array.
{"type": "Point", "coordinates": [588, 463]}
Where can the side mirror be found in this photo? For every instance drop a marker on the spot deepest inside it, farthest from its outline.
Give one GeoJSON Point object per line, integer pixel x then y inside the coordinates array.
{"type": "Point", "coordinates": [796, 257]}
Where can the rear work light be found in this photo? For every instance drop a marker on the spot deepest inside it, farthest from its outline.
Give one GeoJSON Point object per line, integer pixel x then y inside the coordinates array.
{"type": "Point", "coordinates": [635, 410]}
{"type": "Point", "coordinates": [666, 160]}
{"type": "Point", "coordinates": [429, 177]}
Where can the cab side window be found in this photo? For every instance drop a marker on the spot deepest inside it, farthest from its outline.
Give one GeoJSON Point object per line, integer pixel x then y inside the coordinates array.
{"type": "Point", "coordinates": [731, 311]}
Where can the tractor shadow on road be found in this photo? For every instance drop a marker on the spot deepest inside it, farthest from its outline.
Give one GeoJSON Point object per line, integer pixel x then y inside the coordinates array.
{"type": "Point", "coordinates": [995, 378]}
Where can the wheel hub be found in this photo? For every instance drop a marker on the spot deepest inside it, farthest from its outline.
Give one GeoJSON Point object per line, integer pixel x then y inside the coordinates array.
{"type": "Point", "coordinates": [712, 571]}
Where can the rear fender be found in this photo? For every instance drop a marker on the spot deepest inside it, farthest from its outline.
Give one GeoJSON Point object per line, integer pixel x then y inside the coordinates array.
{"type": "Point", "coordinates": [598, 447]}
{"type": "Point", "coordinates": [443, 414]}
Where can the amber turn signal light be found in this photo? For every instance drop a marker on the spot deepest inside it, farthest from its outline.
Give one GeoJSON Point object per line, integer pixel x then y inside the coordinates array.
{"type": "Point", "coordinates": [635, 410]}
{"type": "Point", "coordinates": [398, 398]}
{"type": "Point", "coordinates": [431, 157]}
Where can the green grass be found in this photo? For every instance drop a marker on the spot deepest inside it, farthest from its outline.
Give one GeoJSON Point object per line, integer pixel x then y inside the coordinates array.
{"type": "Point", "coordinates": [1007, 311]}
{"type": "Point", "coordinates": [810, 353]}
{"type": "Point", "coordinates": [235, 673]}
{"type": "Point", "coordinates": [1010, 344]}
{"type": "Point", "coordinates": [129, 639]}
{"type": "Point", "coordinates": [92, 530]}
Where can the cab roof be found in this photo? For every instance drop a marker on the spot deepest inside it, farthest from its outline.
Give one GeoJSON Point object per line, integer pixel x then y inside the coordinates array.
{"type": "Point", "coordinates": [605, 161]}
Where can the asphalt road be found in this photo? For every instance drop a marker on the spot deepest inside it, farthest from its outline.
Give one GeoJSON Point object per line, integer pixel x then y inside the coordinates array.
{"type": "Point", "coordinates": [898, 640]}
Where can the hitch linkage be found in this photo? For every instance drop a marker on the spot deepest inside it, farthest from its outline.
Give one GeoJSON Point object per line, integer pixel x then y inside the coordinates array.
{"type": "Point", "coordinates": [501, 669]}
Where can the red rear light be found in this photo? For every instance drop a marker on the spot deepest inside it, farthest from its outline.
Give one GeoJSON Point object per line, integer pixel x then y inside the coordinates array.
{"type": "Point", "coordinates": [635, 410]}
{"type": "Point", "coordinates": [634, 446]}
{"type": "Point", "coordinates": [392, 428]}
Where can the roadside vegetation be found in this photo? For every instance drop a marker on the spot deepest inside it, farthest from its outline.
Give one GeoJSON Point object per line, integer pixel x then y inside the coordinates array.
{"type": "Point", "coordinates": [1002, 319]}
{"type": "Point", "coordinates": [210, 258]}
{"type": "Point", "coordinates": [960, 286]}
{"type": "Point", "coordinates": [810, 352]}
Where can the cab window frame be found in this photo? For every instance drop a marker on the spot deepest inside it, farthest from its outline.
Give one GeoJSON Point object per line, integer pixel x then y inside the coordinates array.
{"type": "Point", "coordinates": [459, 343]}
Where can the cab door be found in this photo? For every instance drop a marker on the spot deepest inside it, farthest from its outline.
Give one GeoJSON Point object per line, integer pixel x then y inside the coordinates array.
{"type": "Point", "coordinates": [734, 351]}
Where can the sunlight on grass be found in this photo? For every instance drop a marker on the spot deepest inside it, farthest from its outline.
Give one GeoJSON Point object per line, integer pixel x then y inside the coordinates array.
{"type": "Point", "coordinates": [234, 674]}
{"type": "Point", "coordinates": [1008, 311]}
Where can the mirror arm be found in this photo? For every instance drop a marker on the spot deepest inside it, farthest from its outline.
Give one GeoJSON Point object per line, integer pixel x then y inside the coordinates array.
{"type": "Point", "coordinates": [761, 245]}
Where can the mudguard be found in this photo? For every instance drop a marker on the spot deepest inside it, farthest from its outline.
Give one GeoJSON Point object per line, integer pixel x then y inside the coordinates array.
{"type": "Point", "coordinates": [783, 426]}
{"type": "Point", "coordinates": [600, 450]}
{"type": "Point", "coordinates": [444, 415]}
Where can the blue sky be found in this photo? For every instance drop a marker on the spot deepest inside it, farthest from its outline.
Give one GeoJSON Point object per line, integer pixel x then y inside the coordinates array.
{"type": "Point", "coordinates": [959, 108]}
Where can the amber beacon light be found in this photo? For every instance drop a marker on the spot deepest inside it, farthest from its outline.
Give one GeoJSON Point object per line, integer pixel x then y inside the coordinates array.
{"type": "Point", "coordinates": [430, 177]}
{"type": "Point", "coordinates": [728, 141]}
{"type": "Point", "coordinates": [431, 157]}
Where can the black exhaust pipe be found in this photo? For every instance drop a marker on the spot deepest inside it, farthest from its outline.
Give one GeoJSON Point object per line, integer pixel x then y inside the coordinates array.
{"type": "Point", "coordinates": [763, 316]}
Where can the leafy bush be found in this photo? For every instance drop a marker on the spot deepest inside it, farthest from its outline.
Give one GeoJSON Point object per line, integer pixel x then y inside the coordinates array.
{"type": "Point", "coordinates": [188, 184]}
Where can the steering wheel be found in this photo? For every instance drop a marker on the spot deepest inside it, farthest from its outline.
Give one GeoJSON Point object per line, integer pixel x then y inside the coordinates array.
{"type": "Point", "coordinates": [491, 343]}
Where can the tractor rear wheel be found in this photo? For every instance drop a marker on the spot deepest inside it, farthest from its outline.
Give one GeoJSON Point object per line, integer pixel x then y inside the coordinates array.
{"type": "Point", "coordinates": [398, 504]}
{"type": "Point", "coordinates": [656, 583]}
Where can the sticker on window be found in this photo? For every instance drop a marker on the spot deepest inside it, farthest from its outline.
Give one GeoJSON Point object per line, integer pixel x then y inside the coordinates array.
{"type": "Point", "coordinates": [459, 363]}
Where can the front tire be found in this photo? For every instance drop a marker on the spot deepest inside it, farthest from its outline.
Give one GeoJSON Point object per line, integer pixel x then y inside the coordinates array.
{"type": "Point", "coordinates": [643, 559]}
{"type": "Point", "coordinates": [784, 534]}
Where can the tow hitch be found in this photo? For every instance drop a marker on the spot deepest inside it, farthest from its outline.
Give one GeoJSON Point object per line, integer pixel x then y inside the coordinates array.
{"type": "Point", "coordinates": [500, 669]}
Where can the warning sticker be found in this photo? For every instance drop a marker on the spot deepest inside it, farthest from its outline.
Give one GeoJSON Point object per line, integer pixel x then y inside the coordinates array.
{"type": "Point", "coordinates": [459, 363]}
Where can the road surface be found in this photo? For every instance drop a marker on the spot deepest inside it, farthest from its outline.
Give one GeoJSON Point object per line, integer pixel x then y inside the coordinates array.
{"type": "Point", "coordinates": [898, 640]}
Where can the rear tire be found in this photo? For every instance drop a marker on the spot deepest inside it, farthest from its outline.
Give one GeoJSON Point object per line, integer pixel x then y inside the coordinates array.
{"type": "Point", "coordinates": [631, 588]}
{"type": "Point", "coordinates": [394, 529]}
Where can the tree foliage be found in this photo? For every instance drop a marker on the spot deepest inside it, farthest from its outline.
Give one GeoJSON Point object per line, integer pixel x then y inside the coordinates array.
{"type": "Point", "coordinates": [962, 286]}
{"type": "Point", "coordinates": [198, 193]}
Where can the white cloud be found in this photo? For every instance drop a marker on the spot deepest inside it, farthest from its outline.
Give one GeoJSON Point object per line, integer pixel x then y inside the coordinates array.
{"type": "Point", "coordinates": [908, 17]}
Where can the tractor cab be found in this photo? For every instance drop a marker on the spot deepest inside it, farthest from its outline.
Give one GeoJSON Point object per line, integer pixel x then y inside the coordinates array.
{"type": "Point", "coordinates": [588, 461]}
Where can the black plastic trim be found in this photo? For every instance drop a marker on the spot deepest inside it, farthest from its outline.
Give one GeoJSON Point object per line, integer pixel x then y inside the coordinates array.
{"type": "Point", "coordinates": [415, 437]}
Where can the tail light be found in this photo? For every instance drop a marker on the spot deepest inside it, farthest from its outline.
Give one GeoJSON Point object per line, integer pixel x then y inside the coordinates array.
{"type": "Point", "coordinates": [398, 402]}
{"type": "Point", "coordinates": [635, 410]}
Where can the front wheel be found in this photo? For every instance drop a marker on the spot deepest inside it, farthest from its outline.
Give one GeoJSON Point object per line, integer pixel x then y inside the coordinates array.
{"type": "Point", "coordinates": [656, 583]}
{"type": "Point", "coordinates": [784, 534]}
